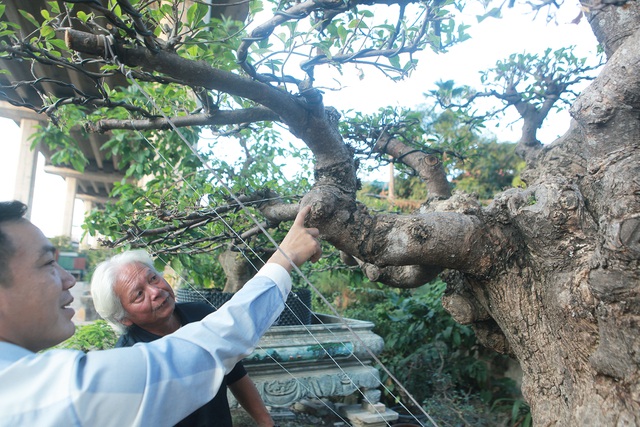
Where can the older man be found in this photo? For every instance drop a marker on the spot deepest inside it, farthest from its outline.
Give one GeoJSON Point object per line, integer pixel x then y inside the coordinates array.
{"type": "Point", "coordinates": [139, 303]}
{"type": "Point", "coordinates": [153, 384]}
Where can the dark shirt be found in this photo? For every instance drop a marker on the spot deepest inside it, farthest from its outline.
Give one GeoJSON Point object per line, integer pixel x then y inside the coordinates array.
{"type": "Point", "coordinates": [216, 412]}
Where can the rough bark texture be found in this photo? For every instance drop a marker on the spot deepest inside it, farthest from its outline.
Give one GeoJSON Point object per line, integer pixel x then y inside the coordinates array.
{"type": "Point", "coordinates": [237, 269]}
{"type": "Point", "coordinates": [567, 300]}
{"type": "Point", "coordinates": [428, 166]}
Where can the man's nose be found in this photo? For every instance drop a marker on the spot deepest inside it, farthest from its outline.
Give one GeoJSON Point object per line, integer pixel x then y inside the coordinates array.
{"type": "Point", "coordinates": [156, 291]}
{"type": "Point", "coordinates": [68, 280]}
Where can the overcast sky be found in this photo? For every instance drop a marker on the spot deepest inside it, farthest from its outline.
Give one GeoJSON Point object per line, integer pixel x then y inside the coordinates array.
{"type": "Point", "coordinates": [491, 40]}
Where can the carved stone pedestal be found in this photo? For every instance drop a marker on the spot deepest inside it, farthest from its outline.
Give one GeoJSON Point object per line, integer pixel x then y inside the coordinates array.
{"type": "Point", "coordinates": [326, 358]}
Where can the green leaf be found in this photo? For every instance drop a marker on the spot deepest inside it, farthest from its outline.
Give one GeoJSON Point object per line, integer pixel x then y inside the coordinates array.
{"type": "Point", "coordinates": [78, 164]}
{"type": "Point", "coordinates": [60, 44]}
{"type": "Point", "coordinates": [29, 17]}
{"type": "Point", "coordinates": [55, 8]}
{"type": "Point", "coordinates": [52, 51]}
{"type": "Point", "coordinates": [193, 51]}
{"type": "Point", "coordinates": [2, 8]}
{"type": "Point", "coordinates": [493, 13]}
{"type": "Point", "coordinates": [255, 7]}
{"type": "Point", "coordinates": [82, 16]}
{"type": "Point", "coordinates": [342, 33]}
{"type": "Point", "coordinates": [47, 32]}
{"type": "Point", "coordinates": [395, 61]}
{"type": "Point", "coordinates": [196, 14]}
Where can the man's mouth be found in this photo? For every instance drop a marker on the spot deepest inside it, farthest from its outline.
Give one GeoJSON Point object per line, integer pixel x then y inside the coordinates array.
{"type": "Point", "coordinates": [163, 303]}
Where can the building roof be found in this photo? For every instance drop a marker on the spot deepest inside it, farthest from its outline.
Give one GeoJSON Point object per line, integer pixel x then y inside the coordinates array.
{"type": "Point", "coordinates": [20, 101]}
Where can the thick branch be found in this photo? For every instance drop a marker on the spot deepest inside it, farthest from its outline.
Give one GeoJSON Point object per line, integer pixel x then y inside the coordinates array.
{"type": "Point", "coordinates": [611, 24]}
{"type": "Point", "coordinates": [436, 239]}
{"type": "Point", "coordinates": [612, 100]}
{"type": "Point", "coordinates": [218, 118]}
{"type": "Point", "coordinates": [278, 212]}
{"type": "Point", "coordinates": [406, 276]}
{"type": "Point", "coordinates": [429, 167]}
{"type": "Point", "coordinates": [312, 124]}
{"type": "Point", "coordinates": [192, 73]}
{"type": "Point", "coordinates": [444, 239]}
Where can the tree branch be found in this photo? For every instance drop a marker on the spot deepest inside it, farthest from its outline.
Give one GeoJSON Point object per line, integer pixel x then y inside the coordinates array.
{"type": "Point", "coordinates": [454, 240]}
{"type": "Point", "coordinates": [429, 167]}
{"type": "Point", "coordinates": [304, 9]}
{"type": "Point", "coordinates": [406, 276]}
{"type": "Point", "coordinates": [218, 118]}
{"type": "Point", "coordinates": [192, 73]}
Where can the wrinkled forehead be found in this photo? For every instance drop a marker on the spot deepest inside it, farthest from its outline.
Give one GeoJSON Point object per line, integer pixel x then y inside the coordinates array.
{"type": "Point", "coordinates": [133, 273]}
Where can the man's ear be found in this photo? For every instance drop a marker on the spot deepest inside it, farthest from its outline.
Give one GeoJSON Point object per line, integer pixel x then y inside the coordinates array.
{"type": "Point", "coordinates": [126, 322]}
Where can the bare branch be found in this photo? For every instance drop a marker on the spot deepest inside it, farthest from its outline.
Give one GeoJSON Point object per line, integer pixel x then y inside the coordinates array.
{"type": "Point", "coordinates": [406, 276]}
{"type": "Point", "coordinates": [217, 118]}
{"type": "Point", "coordinates": [330, 9]}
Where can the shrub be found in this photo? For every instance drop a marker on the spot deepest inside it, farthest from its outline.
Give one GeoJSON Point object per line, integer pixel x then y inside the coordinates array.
{"type": "Point", "coordinates": [93, 336]}
{"type": "Point", "coordinates": [437, 360]}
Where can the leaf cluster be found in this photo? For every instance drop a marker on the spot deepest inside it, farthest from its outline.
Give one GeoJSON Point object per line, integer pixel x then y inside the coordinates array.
{"type": "Point", "coordinates": [97, 335]}
{"type": "Point", "coordinates": [537, 76]}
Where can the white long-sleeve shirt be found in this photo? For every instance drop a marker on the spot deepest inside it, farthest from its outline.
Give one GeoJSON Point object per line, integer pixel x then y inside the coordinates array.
{"type": "Point", "coordinates": [152, 384]}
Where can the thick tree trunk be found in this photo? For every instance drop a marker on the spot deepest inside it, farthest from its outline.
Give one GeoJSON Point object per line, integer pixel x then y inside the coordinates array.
{"type": "Point", "coordinates": [568, 304]}
{"type": "Point", "coordinates": [238, 269]}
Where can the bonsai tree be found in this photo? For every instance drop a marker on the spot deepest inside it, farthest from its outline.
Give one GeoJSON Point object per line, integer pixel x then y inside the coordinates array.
{"type": "Point", "coordinates": [546, 273]}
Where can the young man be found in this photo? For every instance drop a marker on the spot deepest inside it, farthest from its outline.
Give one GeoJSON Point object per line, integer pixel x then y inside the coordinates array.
{"type": "Point", "coordinates": [154, 384]}
{"type": "Point", "coordinates": [139, 303]}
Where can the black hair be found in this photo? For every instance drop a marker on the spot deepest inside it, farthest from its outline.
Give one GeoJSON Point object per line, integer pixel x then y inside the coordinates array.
{"type": "Point", "coordinates": [9, 211]}
{"type": "Point", "coordinates": [12, 210]}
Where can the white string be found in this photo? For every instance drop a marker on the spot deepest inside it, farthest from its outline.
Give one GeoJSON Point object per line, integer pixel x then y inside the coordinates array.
{"type": "Point", "coordinates": [293, 312]}
{"type": "Point", "coordinates": [302, 275]}
{"type": "Point", "coordinates": [127, 73]}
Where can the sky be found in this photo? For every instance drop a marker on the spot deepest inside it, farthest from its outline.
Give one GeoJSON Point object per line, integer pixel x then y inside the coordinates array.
{"type": "Point", "coordinates": [50, 191]}
{"type": "Point", "coordinates": [491, 40]}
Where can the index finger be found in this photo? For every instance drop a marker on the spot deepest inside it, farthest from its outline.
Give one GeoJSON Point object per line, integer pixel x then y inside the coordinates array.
{"type": "Point", "coordinates": [302, 213]}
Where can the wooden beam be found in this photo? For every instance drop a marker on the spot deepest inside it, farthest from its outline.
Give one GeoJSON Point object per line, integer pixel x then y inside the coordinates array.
{"type": "Point", "coordinates": [18, 113]}
{"type": "Point", "coordinates": [106, 178]}
{"type": "Point", "coordinates": [93, 199]}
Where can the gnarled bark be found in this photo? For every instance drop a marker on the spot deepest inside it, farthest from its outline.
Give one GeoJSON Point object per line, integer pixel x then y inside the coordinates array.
{"type": "Point", "coordinates": [567, 300]}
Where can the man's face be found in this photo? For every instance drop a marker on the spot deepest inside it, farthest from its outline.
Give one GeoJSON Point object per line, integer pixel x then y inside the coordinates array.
{"type": "Point", "coordinates": [146, 297]}
{"type": "Point", "coordinates": [35, 310]}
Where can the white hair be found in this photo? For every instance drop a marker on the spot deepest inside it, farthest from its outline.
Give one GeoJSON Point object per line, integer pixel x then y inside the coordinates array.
{"type": "Point", "coordinates": [103, 282]}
